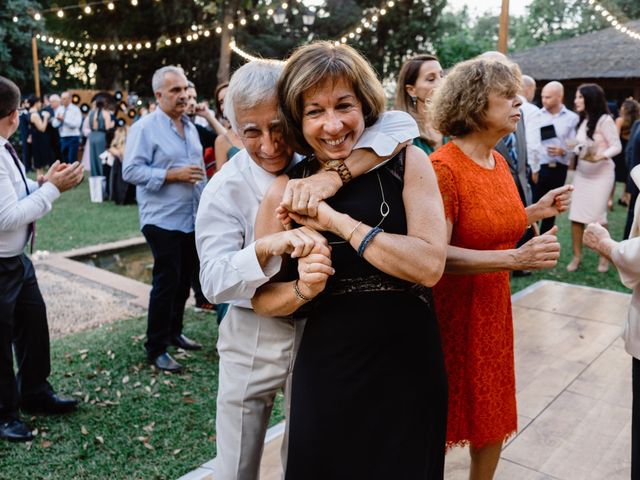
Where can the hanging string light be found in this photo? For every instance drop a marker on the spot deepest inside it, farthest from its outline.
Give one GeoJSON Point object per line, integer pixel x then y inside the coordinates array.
{"type": "Point", "coordinates": [86, 7]}
{"type": "Point", "coordinates": [248, 57]}
{"type": "Point", "coordinates": [198, 31]}
{"type": "Point", "coordinates": [613, 21]}
{"type": "Point", "coordinates": [368, 22]}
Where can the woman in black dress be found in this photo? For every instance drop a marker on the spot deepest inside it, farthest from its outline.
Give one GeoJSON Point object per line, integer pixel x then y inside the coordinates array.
{"type": "Point", "coordinates": [369, 391]}
{"type": "Point", "coordinates": [40, 140]}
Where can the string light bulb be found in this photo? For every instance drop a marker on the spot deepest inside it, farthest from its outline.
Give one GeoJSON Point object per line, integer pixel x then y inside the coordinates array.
{"type": "Point", "coordinates": [87, 9]}
{"type": "Point", "coordinates": [37, 16]}
{"type": "Point", "coordinates": [613, 21]}
{"type": "Point", "coordinates": [110, 6]}
{"type": "Point", "coordinates": [60, 13]}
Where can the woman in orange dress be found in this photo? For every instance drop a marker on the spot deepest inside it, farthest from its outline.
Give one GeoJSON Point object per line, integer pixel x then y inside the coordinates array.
{"type": "Point", "coordinates": [477, 105]}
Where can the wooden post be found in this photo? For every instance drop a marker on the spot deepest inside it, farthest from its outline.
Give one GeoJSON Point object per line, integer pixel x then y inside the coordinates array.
{"type": "Point", "coordinates": [36, 70]}
{"type": "Point", "coordinates": [503, 34]}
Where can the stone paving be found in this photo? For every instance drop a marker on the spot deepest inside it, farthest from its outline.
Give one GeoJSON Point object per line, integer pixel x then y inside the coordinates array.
{"type": "Point", "coordinates": [76, 303]}
{"type": "Point", "coordinates": [80, 297]}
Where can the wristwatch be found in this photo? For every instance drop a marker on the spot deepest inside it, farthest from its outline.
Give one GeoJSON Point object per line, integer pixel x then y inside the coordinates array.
{"type": "Point", "coordinates": [341, 168]}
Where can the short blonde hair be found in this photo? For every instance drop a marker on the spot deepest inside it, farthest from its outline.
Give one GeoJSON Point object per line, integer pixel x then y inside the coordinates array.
{"type": "Point", "coordinates": [460, 104]}
{"type": "Point", "coordinates": [311, 65]}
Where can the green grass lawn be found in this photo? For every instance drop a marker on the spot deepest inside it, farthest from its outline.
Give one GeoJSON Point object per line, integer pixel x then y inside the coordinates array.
{"type": "Point", "coordinates": [587, 273]}
{"type": "Point", "coordinates": [134, 422]}
{"type": "Point", "coordinates": [76, 222]}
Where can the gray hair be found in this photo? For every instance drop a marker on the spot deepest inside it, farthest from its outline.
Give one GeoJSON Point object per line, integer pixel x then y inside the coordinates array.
{"type": "Point", "coordinates": [157, 82]}
{"type": "Point", "coordinates": [528, 81]}
{"type": "Point", "coordinates": [252, 84]}
{"type": "Point", "coordinates": [54, 97]}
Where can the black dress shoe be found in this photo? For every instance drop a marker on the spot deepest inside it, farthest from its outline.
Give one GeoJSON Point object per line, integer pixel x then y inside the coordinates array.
{"type": "Point", "coordinates": [15, 431]}
{"type": "Point", "coordinates": [48, 404]}
{"type": "Point", "coordinates": [167, 363]}
{"type": "Point", "coordinates": [185, 343]}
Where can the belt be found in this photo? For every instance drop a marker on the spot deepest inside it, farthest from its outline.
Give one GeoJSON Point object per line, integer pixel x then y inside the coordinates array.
{"type": "Point", "coordinates": [378, 283]}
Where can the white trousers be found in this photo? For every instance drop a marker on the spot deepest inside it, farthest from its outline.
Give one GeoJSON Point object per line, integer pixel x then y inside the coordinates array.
{"type": "Point", "coordinates": [256, 359]}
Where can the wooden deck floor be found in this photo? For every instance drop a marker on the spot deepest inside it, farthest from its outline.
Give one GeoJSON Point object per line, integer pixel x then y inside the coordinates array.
{"type": "Point", "coordinates": [574, 390]}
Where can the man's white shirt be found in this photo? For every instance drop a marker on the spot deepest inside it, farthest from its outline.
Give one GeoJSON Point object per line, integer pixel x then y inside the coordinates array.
{"type": "Point", "coordinates": [70, 127]}
{"type": "Point", "coordinates": [17, 209]}
{"type": "Point", "coordinates": [565, 124]}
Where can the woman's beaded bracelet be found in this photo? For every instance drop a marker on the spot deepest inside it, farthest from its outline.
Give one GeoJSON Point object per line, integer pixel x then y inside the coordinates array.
{"type": "Point", "coordinates": [299, 294]}
{"type": "Point", "coordinates": [367, 239]}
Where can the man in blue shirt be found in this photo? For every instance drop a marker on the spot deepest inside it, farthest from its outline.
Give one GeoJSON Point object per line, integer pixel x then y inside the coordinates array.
{"type": "Point", "coordinates": [163, 157]}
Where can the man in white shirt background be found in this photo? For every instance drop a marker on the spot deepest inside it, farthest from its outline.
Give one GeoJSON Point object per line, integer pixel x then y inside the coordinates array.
{"type": "Point", "coordinates": [557, 125]}
{"type": "Point", "coordinates": [68, 120]}
{"type": "Point", "coordinates": [23, 318]}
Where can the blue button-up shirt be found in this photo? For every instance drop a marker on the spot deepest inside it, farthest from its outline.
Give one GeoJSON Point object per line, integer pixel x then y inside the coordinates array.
{"type": "Point", "coordinates": [153, 147]}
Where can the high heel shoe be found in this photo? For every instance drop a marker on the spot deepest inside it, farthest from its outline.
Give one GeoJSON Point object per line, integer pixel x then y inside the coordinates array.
{"type": "Point", "coordinates": [574, 264]}
{"type": "Point", "coordinates": [603, 265]}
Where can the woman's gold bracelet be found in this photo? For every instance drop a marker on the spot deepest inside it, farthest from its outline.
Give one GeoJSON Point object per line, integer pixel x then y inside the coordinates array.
{"type": "Point", "coordinates": [348, 237]}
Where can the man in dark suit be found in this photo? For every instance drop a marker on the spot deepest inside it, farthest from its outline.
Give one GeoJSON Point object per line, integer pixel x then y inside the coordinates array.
{"type": "Point", "coordinates": [632, 156]}
{"type": "Point", "coordinates": [513, 148]}
{"type": "Point", "coordinates": [23, 316]}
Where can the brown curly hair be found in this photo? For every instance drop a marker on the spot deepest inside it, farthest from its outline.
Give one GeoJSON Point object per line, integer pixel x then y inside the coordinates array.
{"type": "Point", "coordinates": [460, 105]}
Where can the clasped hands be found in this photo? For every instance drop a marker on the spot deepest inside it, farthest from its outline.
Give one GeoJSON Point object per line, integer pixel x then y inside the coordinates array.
{"type": "Point", "coordinates": [303, 203]}
{"type": "Point", "coordinates": [63, 175]}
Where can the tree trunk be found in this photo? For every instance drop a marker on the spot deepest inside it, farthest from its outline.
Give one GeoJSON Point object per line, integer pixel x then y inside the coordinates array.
{"type": "Point", "coordinates": [224, 64]}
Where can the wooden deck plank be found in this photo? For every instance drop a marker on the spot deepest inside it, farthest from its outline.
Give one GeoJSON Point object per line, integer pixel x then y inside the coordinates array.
{"type": "Point", "coordinates": [584, 302]}
{"type": "Point", "coordinates": [572, 439]}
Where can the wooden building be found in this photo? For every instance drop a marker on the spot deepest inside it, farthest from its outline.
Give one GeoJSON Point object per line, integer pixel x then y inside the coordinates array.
{"type": "Point", "coordinates": [606, 57]}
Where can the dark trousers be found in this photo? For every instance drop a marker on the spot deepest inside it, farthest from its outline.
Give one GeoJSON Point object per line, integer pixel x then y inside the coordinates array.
{"type": "Point", "coordinates": [23, 324]}
{"type": "Point", "coordinates": [635, 422]}
{"type": "Point", "coordinates": [174, 261]}
{"type": "Point", "coordinates": [633, 198]}
{"type": "Point", "coordinates": [69, 148]}
{"type": "Point", "coordinates": [26, 156]}
{"type": "Point", "coordinates": [548, 179]}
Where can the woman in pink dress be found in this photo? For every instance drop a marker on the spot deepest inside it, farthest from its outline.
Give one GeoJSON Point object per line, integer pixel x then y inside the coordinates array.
{"type": "Point", "coordinates": [597, 143]}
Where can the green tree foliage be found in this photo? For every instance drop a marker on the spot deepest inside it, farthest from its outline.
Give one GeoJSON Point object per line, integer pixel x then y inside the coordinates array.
{"type": "Point", "coordinates": [132, 70]}
{"type": "Point", "coordinates": [461, 38]}
{"type": "Point", "coordinates": [15, 44]}
{"type": "Point", "coordinates": [550, 20]}
{"type": "Point", "coordinates": [409, 27]}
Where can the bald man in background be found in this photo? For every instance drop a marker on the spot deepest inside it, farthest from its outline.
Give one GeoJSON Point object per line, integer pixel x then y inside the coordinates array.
{"type": "Point", "coordinates": [557, 125]}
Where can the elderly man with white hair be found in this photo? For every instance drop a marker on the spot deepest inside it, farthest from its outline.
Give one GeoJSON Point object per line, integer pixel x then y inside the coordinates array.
{"type": "Point", "coordinates": [256, 352]}
{"type": "Point", "coordinates": [163, 158]}
{"type": "Point", "coordinates": [67, 119]}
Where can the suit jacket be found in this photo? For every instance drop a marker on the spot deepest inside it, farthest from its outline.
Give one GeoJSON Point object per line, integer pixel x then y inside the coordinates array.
{"type": "Point", "coordinates": [632, 153]}
{"type": "Point", "coordinates": [519, 171]}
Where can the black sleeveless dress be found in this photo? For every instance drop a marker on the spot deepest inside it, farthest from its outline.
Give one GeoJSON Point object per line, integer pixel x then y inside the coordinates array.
{"type": "Point", "coordinates": [369, 392]}
{"type": "Point", "coordinates": [40, 145]}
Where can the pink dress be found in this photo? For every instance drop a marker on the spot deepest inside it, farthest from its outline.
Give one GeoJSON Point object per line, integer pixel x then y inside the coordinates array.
{"type": "Point", "coordinates": [593, 181]}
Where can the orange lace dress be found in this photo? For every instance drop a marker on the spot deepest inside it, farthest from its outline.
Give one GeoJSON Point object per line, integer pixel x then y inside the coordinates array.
{"type": "Point", "coordinates": [474, 311]}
